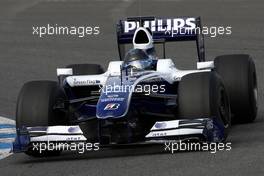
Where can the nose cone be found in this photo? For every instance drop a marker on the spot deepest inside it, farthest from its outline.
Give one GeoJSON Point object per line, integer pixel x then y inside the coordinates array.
{"type": "Point", "coordinates": [142, 39]}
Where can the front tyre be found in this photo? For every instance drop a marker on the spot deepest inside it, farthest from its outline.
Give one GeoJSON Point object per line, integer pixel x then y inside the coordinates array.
{"type": "Point", "coordinates": [203, 95]}
{"type": "Point", "coordinates": [35, 107]}
{"type": "Point", "coordinates": [239, 76]}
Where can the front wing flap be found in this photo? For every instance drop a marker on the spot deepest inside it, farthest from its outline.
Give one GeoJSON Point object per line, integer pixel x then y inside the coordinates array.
{"type": "Point", "coordinates": [201, 129]}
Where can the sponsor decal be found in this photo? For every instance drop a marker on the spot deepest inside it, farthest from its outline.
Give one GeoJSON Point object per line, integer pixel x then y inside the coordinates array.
{"type": "Point", "coordinates": [73, 138]}
{"type": "Point", "coordinates": [85, 82]}
{"type": "Point", "coordinates": [176, 78]}
{"type": "Point", "coordinates": [112, 99]}
{"type": "Point", "coordinates": [152, 80]}
{"type": "Point", "coordinates": [162, 25]}
{"type": "Point", "coordinates": [160, 125]}
{"type": "Point", "coordinates": [178, 26]}
{"type": "Point", "coordinates": [157, 134]}
{"type": "Point", "coordinates": [112, 106]}
{"type": "Point", "coordinates": [73, 129]}
{"type": "Point", "coordinates": [112, 96]}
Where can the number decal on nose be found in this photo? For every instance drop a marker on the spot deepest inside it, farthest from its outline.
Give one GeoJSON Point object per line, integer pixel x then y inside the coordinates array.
{"type": "Point", "coordinates": [112, 106]}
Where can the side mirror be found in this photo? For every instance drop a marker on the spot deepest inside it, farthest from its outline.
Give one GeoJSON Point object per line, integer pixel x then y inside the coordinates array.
{"type": "Point", "coordinates": [63, 73]}
{"type": "Point", "coordinates": [205, 65]}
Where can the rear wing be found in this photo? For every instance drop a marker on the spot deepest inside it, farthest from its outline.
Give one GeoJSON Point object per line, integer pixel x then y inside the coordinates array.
{"type": "Point", "coordinates": [163, 30]}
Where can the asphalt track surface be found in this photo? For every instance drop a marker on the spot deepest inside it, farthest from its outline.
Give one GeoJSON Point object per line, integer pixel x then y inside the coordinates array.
{"type": "Point", "coordinates": [24, 57]}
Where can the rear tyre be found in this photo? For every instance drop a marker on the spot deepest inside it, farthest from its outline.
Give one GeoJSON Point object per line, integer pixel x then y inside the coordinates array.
{"type": "Point", "coordinates": [204, 95]}
{"type": "Point", "coordinates": [35, 107]}
{"type": "Point", "coordinates": [239, 76]}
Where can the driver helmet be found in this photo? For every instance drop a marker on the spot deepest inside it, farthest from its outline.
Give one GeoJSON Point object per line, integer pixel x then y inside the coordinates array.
{"type": "Point", "coordinates": [138, 59]}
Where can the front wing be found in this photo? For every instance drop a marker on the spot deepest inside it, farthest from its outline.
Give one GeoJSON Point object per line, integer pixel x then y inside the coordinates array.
{"type": "Point", "coordinates": [201, 129]}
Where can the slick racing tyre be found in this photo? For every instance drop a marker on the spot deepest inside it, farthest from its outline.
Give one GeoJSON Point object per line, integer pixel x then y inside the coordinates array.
{"type": "Point", "coordinates": [203, 95]}
{"type": "Point", "coordinates": [35, 107]}
{"type": "Point", "coordinates": [239, 76]}
{"type": "Point", "coordinates": [86, 69]}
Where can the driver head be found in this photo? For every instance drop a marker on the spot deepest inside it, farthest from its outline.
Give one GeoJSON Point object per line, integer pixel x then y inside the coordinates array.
{"type": "Point", "coordinates": [138, 60]}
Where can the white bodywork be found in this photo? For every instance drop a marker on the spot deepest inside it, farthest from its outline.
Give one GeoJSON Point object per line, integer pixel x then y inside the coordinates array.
{"type": "Point", "coordinates": [172, 128]}
{"type": "Point", "coordinates": [165, 68]}
{"type": "Point", "coordinates": [57, 133]}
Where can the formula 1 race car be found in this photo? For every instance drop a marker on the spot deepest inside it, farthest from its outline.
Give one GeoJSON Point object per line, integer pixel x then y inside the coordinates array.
{"type": "Point", "coordinates": [141, 98]}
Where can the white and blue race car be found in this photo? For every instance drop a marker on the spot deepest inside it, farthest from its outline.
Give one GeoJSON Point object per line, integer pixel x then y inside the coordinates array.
{"type": "Point", "coordinates": [141, 98]}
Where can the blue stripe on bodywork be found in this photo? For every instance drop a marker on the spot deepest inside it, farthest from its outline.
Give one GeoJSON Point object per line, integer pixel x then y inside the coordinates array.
{"type": "Point", "coordinates": [2, 126]}
{"type": "Point", "coordinates": [5, 145]}
{"type": "Point", "coordinates": [7, 135]}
